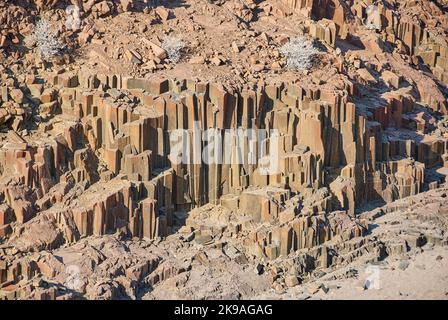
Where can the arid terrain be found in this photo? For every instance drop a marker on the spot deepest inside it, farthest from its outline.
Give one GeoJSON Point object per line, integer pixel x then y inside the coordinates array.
{"type": "Point", "coordinates": [223, 149]}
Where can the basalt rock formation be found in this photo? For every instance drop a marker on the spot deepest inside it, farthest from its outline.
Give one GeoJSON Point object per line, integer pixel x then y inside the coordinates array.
{"type": "Point", "coordinates": [134, 185]}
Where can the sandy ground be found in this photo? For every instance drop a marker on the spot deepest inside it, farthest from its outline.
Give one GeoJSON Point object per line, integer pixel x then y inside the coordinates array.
{"type": "Point", "coordinates": [426, 277]}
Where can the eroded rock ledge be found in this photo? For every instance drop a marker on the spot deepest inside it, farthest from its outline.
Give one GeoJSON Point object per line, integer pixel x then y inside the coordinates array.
{"type": "Point", "coordinates": [101, 164]}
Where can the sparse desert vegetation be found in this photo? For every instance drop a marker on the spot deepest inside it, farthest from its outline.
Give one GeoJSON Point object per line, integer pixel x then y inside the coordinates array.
{"type": "Point", "coordinates": [300, 53]}
{"type": "Point", "coordinates": [45, 39]}
{"type": "Point", "coordinates": [173, 46]}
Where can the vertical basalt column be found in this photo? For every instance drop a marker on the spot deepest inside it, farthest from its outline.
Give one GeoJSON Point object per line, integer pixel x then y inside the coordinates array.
{"type": "Point", "coordinates": [150, 219]}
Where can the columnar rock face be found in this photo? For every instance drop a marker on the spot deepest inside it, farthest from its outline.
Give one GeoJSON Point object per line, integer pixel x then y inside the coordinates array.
{"type": "Point", "coordinates": [317, 135]}
{"type": "Point", "coordinates": [154, 147]}
{"type": "Point", "coordinates": [147, 178]}
{"type": "Point", "coordinates": [417, 40]}
{"type": "Point", "coordinates": [312, 137]}
{"type": "Point", "coordinates": [417, 37]}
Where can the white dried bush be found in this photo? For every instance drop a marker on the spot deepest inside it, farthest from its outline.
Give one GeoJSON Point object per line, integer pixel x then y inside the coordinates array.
{"type": "Point", "coordinates": [300, 53]}
{"type": "Point", "coordinates": [45, 40]}
{"type": "Point", "coordinates": [173, 47]}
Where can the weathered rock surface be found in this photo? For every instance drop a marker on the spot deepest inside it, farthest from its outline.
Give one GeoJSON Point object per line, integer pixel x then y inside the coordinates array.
{"type": "Point", "coordinates": [126, 173]}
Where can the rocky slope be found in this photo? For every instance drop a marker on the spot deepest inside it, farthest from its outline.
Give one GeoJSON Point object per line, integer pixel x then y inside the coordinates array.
{"type": "Point", "coordinates": [168, 151]}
